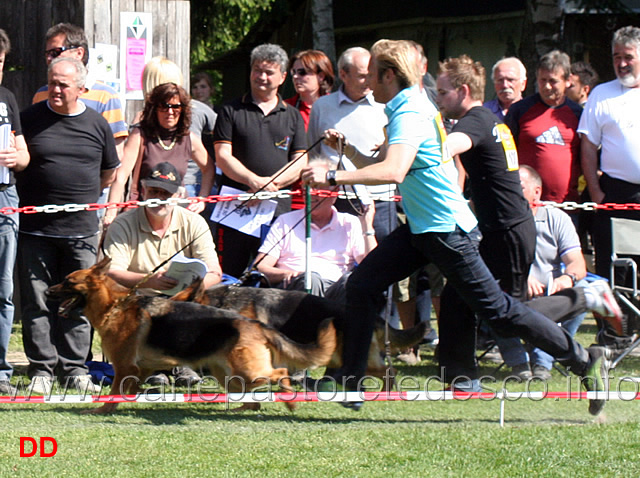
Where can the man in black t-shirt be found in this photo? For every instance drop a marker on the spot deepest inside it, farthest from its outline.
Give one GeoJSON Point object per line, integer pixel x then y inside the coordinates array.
{"type": "Point", "coordinates": [255, 137]}
{"type": "Point", "coordinates": [73, 157]}
{"type": "Point", "coordinates": [488, 153]}
{"type": "Point", "coordinates": [14, 157]}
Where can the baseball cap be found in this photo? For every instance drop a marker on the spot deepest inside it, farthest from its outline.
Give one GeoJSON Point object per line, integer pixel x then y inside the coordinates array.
{"type": "Point", "coordinates": [165, 176]}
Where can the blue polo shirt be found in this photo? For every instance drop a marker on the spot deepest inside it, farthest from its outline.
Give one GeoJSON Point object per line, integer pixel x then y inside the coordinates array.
{"type": "Point", "coordinates": [431, 197]}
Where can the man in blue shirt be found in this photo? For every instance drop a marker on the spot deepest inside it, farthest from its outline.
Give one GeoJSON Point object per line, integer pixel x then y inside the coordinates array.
{"type": "Point", "coordinates": [441, 229]}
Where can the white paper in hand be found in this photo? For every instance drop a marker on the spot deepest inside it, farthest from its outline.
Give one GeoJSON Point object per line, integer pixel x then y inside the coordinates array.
{"type": "Point", "coordinates": [185, 270]}
{"type": "Point", "coordinates": [5, 142]}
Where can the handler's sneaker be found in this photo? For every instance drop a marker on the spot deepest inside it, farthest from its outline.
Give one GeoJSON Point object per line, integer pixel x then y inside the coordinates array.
{"type": "Point", "coordinates": [84, 384]}
{"type": "Point", "coordinates": [330, 385]}
{"type": "Point", "coordinates": [40, 384]}
{"type": "Point", "coordinates": [464, 386]}
{"type": "Point", "coordinates": [604, 306]}
{"type": "Point", "coordinates": [596, 376]}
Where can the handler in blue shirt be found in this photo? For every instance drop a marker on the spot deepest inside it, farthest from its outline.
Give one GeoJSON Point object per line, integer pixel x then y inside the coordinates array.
{"type": "Point", "coordinates": [441, 229]}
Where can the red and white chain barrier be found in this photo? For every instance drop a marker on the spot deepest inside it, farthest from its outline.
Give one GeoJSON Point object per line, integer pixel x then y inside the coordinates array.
{"type": "Point", "coordinates": [264, 195]}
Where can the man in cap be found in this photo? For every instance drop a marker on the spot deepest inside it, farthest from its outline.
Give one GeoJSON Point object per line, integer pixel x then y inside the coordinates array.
{"type": "Point", "coordinates": [140, 239]}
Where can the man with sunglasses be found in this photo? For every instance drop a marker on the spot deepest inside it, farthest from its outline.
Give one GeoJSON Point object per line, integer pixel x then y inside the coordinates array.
{"type": "Point", "coordinates": [70, 41]}
{"type": "Point", "coordinates": [255, 138]}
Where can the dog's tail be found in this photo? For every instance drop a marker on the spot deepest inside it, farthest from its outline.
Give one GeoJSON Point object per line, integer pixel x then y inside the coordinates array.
{"type": "Point", "coordinates": [295, 355]}
{"type": "Point", "coordinates": [402, 339]}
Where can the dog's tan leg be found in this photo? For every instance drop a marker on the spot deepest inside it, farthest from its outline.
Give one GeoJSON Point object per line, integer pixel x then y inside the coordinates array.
{"type": "Point", "coordinates": [246, 406]}
{"type": "Point", "coordinates": [255, 406]}
{"type": "Point", "coordinates": [120, 386]}
{"type": "Point", "coordinates": [281, 376]}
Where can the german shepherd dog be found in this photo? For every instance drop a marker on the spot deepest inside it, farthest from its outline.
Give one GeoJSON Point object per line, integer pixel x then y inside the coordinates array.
{"type": "Point", "coordinates": [298, 315]}
{"type": "Point", "coordinates": [143, 334]}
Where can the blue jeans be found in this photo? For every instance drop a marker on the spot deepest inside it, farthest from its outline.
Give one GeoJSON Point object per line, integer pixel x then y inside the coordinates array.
{"type": "Point", "coordinates": [386, 219]}
{"type": "Point", "coordinates": [456, 255]}
{"type": "Point", "coordinates": [53, 344]}
{"type": "Point", "coordinates": [8, 248]}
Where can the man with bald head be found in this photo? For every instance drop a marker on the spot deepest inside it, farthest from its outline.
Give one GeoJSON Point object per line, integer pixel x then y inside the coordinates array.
{"type": "Point", "coordinates": [509, 80]}
{"type": "Point", "coordinates": [353, 111]}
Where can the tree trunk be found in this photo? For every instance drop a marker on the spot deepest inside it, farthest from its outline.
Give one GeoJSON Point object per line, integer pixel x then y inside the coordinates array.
{"type": "Point", "coordinates": [322, 26]}
{"type": "Point", "coordinates": [542, 31]}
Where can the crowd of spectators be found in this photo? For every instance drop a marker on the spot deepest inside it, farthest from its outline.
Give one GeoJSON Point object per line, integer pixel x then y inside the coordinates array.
{"type": "Point", "coordinates": [383, 130]}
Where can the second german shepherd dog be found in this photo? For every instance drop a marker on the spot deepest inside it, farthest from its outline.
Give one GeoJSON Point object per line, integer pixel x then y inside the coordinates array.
{"type": "Point", "coordinates": [298, 315]}
{"type": "Point", "coordinates": [143, 334]}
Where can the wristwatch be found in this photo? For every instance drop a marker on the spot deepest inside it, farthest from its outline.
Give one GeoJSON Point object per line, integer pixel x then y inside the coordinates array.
{"type": "Point", "coordinates": [331, 177]}
{"type": "Point", "coordinates": [573, 277]}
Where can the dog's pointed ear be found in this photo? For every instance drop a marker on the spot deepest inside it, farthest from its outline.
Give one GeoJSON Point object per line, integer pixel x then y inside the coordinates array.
{"type": "Point", "coordinates": [192, 293]}
{"type": "Point", "coordinates": [102, 267]}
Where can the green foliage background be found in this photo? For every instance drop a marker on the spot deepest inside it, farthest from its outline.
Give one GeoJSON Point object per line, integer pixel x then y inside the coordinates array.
{"type": "Point", "coordinates": [217, 26]}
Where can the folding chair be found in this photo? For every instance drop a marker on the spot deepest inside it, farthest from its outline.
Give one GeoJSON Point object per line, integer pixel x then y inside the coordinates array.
{"type": "Point", "coordinates": [625, 240]}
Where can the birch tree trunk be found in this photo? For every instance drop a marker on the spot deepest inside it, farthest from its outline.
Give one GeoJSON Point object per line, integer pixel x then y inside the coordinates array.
{"type": "Point", "coordinates": [542, 32]}
{"type": "Point", "coordinates": [322, 27]}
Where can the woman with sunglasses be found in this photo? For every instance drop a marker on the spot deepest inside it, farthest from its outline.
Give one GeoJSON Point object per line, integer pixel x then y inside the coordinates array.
{"type": "Point", "coordinates": [312, 76]}
{"type": "Point", "coordinates": [161, 136]}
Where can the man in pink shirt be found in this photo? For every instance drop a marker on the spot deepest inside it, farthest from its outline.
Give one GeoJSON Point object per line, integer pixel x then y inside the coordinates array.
{"type": "Point", "coordinates": [339, 241]}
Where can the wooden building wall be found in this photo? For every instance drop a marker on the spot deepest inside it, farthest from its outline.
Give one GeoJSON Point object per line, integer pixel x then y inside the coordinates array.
{"type": "Point", "coordinates": [26, 22]}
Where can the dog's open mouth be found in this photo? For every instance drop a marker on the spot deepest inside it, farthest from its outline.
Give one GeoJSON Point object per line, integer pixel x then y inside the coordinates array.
{"type": "Point", "coordinates": [65, 307]}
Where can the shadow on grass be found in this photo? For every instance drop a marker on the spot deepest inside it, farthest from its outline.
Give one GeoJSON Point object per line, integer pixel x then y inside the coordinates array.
{"type": "Point", "coordinates": [184, 416]}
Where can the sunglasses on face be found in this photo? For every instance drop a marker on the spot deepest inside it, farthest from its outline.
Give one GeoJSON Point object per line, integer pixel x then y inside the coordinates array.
{"type": "Point", "coordinates": [164, 107]}
{"type": "Point", "coordinates": [56, 52]}
{"type": "Point", "coordinates": [299, 72]}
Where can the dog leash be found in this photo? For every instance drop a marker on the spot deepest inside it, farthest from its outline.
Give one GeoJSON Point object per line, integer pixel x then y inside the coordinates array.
{"type": "Point", "coordinates": [392, 373]}
{"type": "Point", "coordinates": [239, 206]}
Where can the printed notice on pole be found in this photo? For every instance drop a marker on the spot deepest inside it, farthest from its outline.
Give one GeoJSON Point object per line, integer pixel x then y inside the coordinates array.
{"type": "Point", "coordinates": [246, 218]}
{"type": "Point", "coordinates": [136, 31]}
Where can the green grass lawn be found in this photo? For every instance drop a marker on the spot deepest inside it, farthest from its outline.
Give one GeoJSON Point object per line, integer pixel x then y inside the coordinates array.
{"type": "Point", "coordinates": [452, 438]}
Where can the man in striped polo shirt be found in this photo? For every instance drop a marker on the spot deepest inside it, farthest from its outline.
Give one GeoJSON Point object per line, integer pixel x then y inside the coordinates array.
{"type": "Point", "coordinates": [68, 40]}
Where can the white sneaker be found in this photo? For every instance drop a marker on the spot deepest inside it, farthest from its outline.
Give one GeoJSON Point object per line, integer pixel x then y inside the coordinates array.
{"type": "Point", "coordinates": [606, 306]}
{"type": "Point", "coordinates": [40, 384]}
{"type": "Point", "coordinates": [84, 384]}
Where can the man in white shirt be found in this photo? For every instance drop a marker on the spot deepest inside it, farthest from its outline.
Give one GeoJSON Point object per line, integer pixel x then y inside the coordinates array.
{"type": "Point", "coordinates": [610, 123]}
{"type": "Point", "coordinates": [339, 241]}
{"type": "Point", "coordinates": [353, 111]}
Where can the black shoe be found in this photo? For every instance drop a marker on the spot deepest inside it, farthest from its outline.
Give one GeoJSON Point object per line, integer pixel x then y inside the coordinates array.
{"type": "Point", "coordinates": [522, 371]}
{"type": "Point", "coordinates": [158, 379]}
{"type": "Point", "coordinates": [6, 388]}
{"type": "Point", "coordinates": [541, 372]}
{"type": "Point", "coordinates": [596, 376]}
{"type": "Point", "coordinates": [185, 377]}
